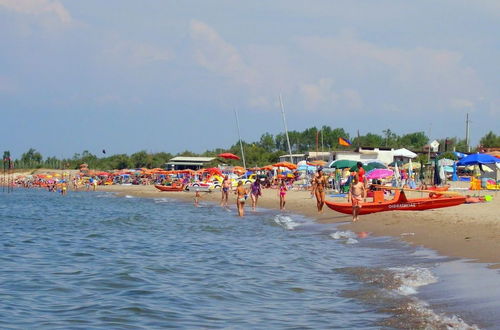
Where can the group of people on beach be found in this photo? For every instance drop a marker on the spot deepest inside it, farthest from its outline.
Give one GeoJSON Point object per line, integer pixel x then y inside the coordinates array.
{"type": "Point", "coordinates": [319, 183]}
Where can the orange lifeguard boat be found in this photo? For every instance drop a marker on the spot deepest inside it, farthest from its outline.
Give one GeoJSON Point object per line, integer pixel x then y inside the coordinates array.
{"type": "Point", "coordinates": [173, 187]}
{"type": "Point", "coordinates": [399, 203]}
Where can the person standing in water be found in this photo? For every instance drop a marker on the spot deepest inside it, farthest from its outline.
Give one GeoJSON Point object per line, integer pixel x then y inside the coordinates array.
{"type": "Point", "coordinates": [282, 193]}
{"type": "Point", "coordinates": [255, 192]}
{"type": "Point", "coordinates": [357, 193]}
{"type": "Point", "coordinates": [241, 196]}
{"type": "Point", "coordinates": [226, 184]}
{"type": "Point", "coordinates": [319, 186]}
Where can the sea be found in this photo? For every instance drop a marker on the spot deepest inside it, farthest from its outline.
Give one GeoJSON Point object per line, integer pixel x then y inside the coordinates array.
{"type": "Point", "coordinates": [93, 260]}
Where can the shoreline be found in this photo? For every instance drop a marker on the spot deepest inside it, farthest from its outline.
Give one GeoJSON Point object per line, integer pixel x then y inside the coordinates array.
{"type": "Point", "coordinates": [467, 231]}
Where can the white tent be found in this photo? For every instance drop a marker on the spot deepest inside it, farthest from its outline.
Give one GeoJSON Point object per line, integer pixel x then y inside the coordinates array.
{"type": "Point", "coordinates": [404, 153]}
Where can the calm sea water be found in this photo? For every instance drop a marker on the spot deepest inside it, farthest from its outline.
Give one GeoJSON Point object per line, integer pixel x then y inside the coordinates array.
{"type": "Point", "coordinates": [93, 260]}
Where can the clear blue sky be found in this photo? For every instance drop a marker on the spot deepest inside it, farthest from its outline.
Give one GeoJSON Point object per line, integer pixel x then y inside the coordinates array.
{"type": "Point", "coordinates": [164, 75]}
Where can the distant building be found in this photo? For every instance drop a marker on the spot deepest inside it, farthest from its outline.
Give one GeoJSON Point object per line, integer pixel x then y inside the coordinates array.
{"type": "Point", "coordinates": [295, 158]}
{"type": "Point", "coordinates": [183, 163]}
{"type": "Point", "coordinates": [365, 154]}
{"type": "Point", "coordinates": [434, 145]}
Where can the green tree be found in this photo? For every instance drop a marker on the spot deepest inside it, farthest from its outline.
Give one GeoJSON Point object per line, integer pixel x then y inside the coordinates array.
{"type": "Point", "coordinates": [267, 142]}
{"type": "Point", "coordinates": [413, 140]}
{"type": "Point", "coordinates": [141, 159]}
{"type": "Point", "coordinates": [490, 140]}
{"type": "Point", "coordinates": [391, 139]}
{"type": "Point", "coordinates": [31, 158]}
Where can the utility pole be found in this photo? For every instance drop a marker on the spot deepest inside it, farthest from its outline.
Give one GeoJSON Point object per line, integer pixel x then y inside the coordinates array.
{"type": "Point", "coordinates": [286, 129]}
{"type": "Point", "coordinates": [467, 132]}
{"type": "Point", "coordinates": [239, 137]}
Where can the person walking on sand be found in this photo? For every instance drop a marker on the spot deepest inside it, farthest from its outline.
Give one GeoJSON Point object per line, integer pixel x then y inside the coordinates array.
{"type": "Point", "coordinates": [241, 196]}
{"type": "Point", "coordinates": [226, 184]}
{"type": "Point", "coordinates": [319, 186]}
{"type": "Point", "coordinates": [255, 192]}
{"type": "Point", "coordinates": [282, 193]}
{"type": "Point", "coordinates": [357, 194]}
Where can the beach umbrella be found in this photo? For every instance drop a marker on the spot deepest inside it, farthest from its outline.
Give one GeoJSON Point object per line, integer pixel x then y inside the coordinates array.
{"type": "Point", "coordinates": [379, 173]}
{"type": "Point", "coordinates": [288, 165]}
{"type": "Point", "coordinates": [396, 163]}
{"type": "Point", "coordinates": [437, 178]}
{"type": "Point", "coordinates": [228, 155]}
{"type": "Point", "coordinates": [368, 167]}
{"type": "Point", "coordinates": [478, 159]}
{"type": "Point", "coordinates": [317, 163]}
{"type": "Point", "coordinates": [343, 163]}
{"type": "Point", "coordinates": [414, 166]}
{"type": "Point", "coordinates": [421, 176]}
{"type": "Point", "coordinates": [454, 176]}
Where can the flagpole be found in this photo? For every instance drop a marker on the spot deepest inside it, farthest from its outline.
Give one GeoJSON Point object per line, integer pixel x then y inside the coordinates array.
{"type": "Point", "coordinates": [239, 137]}
{"type": "Point", "coordinates": [286, 129]}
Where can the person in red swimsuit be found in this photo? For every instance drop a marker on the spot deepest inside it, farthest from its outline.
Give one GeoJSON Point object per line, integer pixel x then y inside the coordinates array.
{"type": "Point", "coordinates": [361, 173]}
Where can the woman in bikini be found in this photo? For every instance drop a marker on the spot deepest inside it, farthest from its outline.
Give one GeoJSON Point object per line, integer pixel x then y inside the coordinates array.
{"type": "Point", "coordinates": [241, 194]}
{"type": "Point", "coordinates": [282, 193]}
{"type": "Point", "coordinates": [256, 191]}
{"type": "Point", "coordinates": [226, 184]}
{"type": "Point", "coordinates": [319, 186]}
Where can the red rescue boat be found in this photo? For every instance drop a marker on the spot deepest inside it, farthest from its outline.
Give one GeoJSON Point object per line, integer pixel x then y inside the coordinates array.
{"type": "Point", "coordinates": [399, 203]}
{"type": "Point", "coordinates": [173, 187]}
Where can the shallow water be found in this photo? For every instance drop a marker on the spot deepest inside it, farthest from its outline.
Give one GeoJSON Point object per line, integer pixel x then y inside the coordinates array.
{"type": "Point", "coordinates": [93, 260]}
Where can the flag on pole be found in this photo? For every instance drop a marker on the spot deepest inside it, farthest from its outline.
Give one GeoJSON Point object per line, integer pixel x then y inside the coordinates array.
{"type": "Point", "coordinates": [344, 142]}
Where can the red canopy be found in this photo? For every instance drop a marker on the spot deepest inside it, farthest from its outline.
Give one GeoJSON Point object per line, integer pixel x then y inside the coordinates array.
{"type": "Point", "coordinates": [228, 155]}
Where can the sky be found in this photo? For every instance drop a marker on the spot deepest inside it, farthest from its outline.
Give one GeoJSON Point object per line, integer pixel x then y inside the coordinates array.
{"type": "Point", "coordinates": [168, 75]}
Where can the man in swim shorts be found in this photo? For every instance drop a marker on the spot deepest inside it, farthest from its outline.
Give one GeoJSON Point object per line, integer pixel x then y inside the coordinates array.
{"type": "Point", "coordinates": [357, 193]}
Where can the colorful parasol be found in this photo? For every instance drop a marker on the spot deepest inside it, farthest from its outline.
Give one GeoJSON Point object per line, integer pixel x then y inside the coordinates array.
{"type": "Point", "coordinates": [228, 155]}
{"type": "Point", "coordinates": [379, 173]}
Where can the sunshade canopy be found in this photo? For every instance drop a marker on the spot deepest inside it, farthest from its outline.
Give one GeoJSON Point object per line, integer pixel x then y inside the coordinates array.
{"type": "Point", "coordinates": [478, 159]}
{"type": "Point", "coordinates": [343, 163]}
{"type": "Point", "coordinates": [228, 155]}
{"type": "Point", "coordinates": [403, 152]}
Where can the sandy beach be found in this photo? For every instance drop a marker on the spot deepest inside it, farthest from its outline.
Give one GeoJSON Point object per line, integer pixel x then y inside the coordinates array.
{"type": "Point", "coordinates": [470, 231]}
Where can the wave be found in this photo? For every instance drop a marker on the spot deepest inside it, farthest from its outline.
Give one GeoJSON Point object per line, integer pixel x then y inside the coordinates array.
{"type": "Point", "coordinates": [286, 221]}
{"type": "Point", "coordinates": [394, 290]}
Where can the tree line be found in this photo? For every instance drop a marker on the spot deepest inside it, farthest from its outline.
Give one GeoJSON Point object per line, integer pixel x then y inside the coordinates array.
{"type": "Point", "coordinates": [262, 152]}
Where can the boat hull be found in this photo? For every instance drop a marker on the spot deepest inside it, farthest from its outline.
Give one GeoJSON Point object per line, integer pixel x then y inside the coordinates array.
{"type": "Point", "coordinates": [169, 188]}
{"type": "Point", "coordinates": [399, 203]}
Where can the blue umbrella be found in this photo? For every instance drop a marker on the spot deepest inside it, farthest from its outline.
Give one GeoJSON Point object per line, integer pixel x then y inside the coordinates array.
{"type": "Point", "coordinates": [454, 176]}
{"type": "Point", "coordinates": [475, 159]}
{"type": "Point", "coordinates": [459, 155]}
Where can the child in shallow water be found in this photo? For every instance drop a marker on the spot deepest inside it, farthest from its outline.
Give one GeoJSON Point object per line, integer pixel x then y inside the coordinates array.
{"type": "Point", "coordinates": [282, 193]}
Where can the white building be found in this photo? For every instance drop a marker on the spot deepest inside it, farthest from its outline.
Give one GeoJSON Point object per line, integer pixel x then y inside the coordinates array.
{"type": "Point", "coordinates": [384, 155]}
{"type": "Point", "coordinates": [182, 163]}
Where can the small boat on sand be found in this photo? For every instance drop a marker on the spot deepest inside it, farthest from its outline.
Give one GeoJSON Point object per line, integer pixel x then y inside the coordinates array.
{"type": "Point", "coordinates": [399, 203]}
{"type": "Point", "coordinates": [173, 187]}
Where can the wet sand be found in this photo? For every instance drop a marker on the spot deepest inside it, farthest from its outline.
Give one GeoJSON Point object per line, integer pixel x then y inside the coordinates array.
{"type": "Point", "coordinates": [470, 231]}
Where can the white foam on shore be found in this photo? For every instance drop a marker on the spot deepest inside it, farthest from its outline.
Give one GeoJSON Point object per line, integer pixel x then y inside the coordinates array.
{"type": "Point", "coordinates": [343, 235]}
{"type": "Point", "coordinates": [439, 321]}
{"type": "Point", "coordinates": [128, 196]}
{"type": "Point", "coordinates": [410, 278]}
{"type": "Point", "coordinates": [285, 222]}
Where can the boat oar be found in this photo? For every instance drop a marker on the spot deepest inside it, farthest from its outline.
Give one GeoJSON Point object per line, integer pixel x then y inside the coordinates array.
{"type": "Point", "coordinates": [437, 192]}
